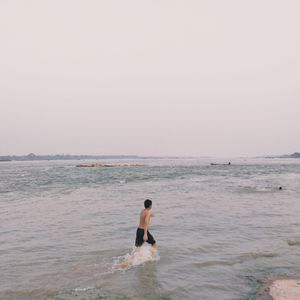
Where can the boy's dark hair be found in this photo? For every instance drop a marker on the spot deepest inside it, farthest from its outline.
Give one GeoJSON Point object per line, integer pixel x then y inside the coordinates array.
{"type": "Point", "coordinates": [147, 203]}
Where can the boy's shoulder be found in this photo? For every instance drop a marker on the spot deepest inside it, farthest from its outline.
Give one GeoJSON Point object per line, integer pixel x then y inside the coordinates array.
{"type": "Point", "coordinates": [146, 212]}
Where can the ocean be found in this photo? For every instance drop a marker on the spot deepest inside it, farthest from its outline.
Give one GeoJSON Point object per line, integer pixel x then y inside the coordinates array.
{"type": "Point", "coordinates": [220, 229]}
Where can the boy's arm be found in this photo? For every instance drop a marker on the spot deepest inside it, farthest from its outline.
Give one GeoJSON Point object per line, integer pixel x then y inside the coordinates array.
{"type": "Point", "coordinates": [147, 221]}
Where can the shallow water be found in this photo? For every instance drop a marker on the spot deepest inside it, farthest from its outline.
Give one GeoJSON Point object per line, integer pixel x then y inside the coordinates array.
{"type": "Point", "coordinates": [218, 228]}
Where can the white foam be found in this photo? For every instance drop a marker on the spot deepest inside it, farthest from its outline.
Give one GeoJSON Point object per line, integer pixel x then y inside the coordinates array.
{"type": "Point", "coordinates": [138, 256]}
{"type": "Point", "coordinates": [83, 289]}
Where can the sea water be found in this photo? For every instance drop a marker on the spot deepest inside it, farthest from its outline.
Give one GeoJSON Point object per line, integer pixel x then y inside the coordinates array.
{"type": "Point", "coordinates": [219, 229]}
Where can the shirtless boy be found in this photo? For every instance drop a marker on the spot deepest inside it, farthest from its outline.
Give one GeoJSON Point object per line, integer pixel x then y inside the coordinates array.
{"type": "Point", "coordinates": [142, 233]}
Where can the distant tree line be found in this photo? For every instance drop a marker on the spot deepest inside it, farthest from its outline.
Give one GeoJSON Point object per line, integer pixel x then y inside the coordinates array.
{"type": "Point", "coordinates": [32, 156]}
{"type": "Point", "coordinates": [294, 155]}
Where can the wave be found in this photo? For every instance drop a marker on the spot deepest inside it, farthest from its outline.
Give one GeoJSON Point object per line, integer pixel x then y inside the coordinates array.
{"type": "Point", "coordinates": [81, 293]}
{"type": "Point", "coordinates": [258, 189]}
{"type": "Point", "coordinates": [211, 263]}
{"type": "Point", "coordinates": [238, 260]}
{"type": "Point", "coordinates": [83, 289]}
{"type": "Point", "coordinates": [36, 294]}
{"type": "Point", "coordinates": [255, 255]}
{"type": "Point", "coordinates": [294, 242]}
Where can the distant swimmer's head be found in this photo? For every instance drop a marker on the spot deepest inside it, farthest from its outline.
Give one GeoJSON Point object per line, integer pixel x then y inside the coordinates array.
{"type": "Point", "coordinates": [148, 203]}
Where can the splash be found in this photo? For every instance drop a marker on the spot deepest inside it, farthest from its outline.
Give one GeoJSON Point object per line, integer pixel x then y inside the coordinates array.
{"type": "Point", "coordinates": [138, 256]}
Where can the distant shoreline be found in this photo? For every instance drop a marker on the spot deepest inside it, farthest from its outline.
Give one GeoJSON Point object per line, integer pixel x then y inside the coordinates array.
{"type": "Point", "coordinates": [34, 157]}
{"type": "Point", "coordinates": [294, 155]}
{"type": "Point", "coordinates": [50, 157]}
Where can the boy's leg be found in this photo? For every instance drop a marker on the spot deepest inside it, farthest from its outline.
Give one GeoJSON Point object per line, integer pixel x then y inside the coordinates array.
{"type": "Point", "coordinates": [152, 241]}
{"type": "Point", "coordinates": [154, 248]}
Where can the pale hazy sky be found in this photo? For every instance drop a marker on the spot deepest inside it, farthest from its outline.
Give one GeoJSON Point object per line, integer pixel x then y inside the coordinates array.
{"type": "Point", "coordinates": [159, 77]}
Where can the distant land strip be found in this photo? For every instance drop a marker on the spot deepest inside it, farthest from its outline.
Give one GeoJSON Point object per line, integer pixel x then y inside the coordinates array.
{"type": "Point", "coordinates": [33, 157]}
{"type": "Point", "coordinates": [294, 155]}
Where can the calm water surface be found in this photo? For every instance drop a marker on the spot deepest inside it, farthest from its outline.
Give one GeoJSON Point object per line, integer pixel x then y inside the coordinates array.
{"type": "Point", "coordinates": [218, 228]}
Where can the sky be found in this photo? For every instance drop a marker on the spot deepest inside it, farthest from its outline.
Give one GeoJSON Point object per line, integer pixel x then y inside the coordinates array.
{"type": "Point", "coordinates": [156, 77]}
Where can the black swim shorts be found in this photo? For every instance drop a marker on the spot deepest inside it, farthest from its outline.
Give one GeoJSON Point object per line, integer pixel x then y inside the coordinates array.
{"type": "Point", "coordinates": [140, 238]}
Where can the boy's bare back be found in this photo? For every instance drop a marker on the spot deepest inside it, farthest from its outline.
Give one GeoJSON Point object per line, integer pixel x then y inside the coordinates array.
{"type": "Point", "coordinates": [145, 217]}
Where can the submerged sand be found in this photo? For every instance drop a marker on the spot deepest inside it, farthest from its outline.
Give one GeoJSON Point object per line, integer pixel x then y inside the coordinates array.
{"type": "Point", "coordinates": [286, 289]}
